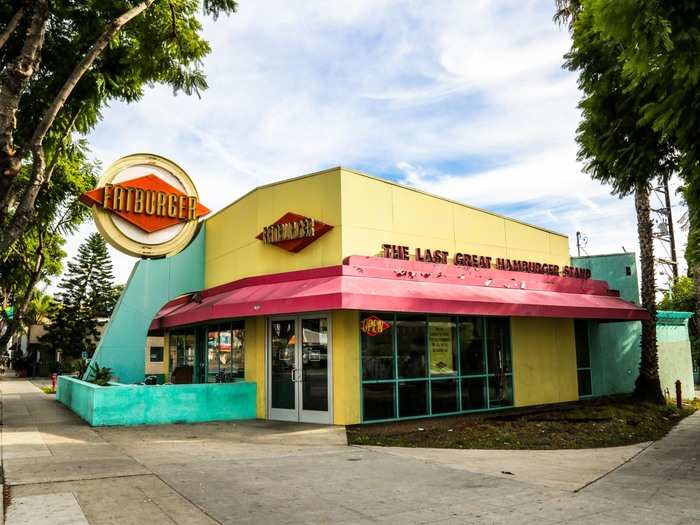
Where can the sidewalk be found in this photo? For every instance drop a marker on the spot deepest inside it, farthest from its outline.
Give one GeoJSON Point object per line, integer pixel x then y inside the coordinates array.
{"type": "Point", "coordinates": [61, 471]}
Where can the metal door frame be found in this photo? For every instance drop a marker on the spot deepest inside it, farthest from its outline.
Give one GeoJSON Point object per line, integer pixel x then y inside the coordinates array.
{"type": "Point", "coordinates": [298, 414]}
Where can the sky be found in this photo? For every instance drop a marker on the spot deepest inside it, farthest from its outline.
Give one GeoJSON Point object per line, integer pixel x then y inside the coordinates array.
{"type": "Point", "coordinates": [466, 100]}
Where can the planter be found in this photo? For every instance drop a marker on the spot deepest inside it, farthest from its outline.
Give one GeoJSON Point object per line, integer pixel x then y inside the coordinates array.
{"type": "Point", "coordinates": [121, 404]}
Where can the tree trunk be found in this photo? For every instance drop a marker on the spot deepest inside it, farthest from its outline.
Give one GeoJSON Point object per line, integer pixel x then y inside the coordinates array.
{"type": "Point", "coordinates": [648, 386]}
{"type": "Point", "coordinates": [695, 274]}
{"type": "Point", "coordinates": [13, 82]}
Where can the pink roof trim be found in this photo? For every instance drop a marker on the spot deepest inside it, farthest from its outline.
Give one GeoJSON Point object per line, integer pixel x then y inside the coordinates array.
{"type": "Point", "coordinates": [373, 283]}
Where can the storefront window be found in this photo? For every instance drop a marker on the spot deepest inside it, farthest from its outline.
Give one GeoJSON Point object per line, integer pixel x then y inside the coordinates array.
{"type": "Point", "coordinates": [474, 393]}
{"type": "Point", "coordinates": [471, 346]}
{"type": "Point", "coordinates": [583, 359]}
{"type": "Point", "coordinates": [413, 398]}
{"type": "Point", "coordinates": [378, 401]}
{"type": "Point", "coordinates": [498, 345]}
{"type": "Point", "coordinates": [226, 352]}
{"type": "Point", "coordinates": [377, 331]}
{"type": "Point", "coordinates": [181, 353]}
{"type": "Point", "coordinates": [445, 365]}
{"type": "Point", "coordinates": [444, 396]}
{"type": "Point", "coordinates": [442, 346]}
{"type": "Point", "coordinates": [212, 355]}
{"type": "Point", "coordinates": [411, 348]}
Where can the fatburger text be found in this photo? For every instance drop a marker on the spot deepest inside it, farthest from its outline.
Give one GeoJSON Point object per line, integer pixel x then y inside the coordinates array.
{"type": "Point", "coordinates": [149, 202]}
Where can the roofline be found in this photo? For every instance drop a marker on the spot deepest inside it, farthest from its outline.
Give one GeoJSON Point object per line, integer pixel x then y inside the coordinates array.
{"type": "Point", "coordinates": [603, 255]}
{"type": "Point", "coordinates": [402, 186]}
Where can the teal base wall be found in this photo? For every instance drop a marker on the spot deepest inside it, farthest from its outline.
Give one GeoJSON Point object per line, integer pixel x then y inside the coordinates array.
{"type": "Point", "coordinates": [153, 282]}
{"type": "Point", "coordinates": [120, 404]}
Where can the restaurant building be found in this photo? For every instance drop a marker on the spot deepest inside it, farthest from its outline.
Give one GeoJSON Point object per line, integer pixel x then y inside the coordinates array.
{"type": "Point", "coordinates": [345, 298]}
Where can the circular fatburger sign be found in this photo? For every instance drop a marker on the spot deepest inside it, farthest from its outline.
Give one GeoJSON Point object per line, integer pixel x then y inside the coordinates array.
{"type": "Point", "coordinates": [145, 205]}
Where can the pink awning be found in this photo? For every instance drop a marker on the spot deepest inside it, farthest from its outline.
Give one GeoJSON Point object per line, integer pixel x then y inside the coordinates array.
{"type": "Point", "coordinates": [373, 283]}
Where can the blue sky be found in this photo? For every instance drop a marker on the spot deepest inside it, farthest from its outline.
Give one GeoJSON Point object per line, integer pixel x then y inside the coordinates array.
{"type": "Point", "coordinates": [463, 99]}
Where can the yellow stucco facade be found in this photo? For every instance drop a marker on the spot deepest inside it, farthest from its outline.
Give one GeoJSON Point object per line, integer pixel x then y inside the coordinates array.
{"type": "Point", "coordinates": [366, 213]}
{"type": "Point", "coordinates": [544, 360]}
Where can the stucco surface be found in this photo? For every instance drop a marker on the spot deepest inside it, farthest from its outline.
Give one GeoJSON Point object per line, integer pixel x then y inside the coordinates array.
{"type": "Point", "coordinates": [614, 347]}
{"type": "Point", "coordinates": [152, 283]}
{"type": "Point", "coordinates": [544, 360]}
{"type": "Point", "coordinates": [675, 361]}
{"type": "Point", "coordinates": [157, 405]}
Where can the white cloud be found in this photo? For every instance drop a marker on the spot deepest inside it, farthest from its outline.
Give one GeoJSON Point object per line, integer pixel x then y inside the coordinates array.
{"type": "Point", "coordinates": [463, 99]}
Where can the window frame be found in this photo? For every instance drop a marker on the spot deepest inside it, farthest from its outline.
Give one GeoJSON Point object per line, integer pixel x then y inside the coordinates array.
{"type": "Point", "coordinates": [429, 378]}
{"type": "Point", "coordinates": [589, 368]}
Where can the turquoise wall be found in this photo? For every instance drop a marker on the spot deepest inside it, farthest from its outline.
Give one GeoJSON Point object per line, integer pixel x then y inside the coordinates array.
{"type": "Point", "coordinates": [119, 404]}
{"type": "Point", "coordinates": [153, 282]}
{"type": "Point", "coordinates": [615, 347]}
{"type": "Point", "coordinates": [675, 361]}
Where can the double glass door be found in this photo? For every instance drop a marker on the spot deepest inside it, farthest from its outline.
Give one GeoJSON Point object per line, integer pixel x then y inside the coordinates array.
{"type": "Point", "coordinates": [299, 369]}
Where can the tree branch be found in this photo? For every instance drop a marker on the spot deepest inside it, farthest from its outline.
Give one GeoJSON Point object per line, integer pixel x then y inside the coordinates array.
{"type": "Point", "coordinates": [82, 67]}
{"type": "Point", "coordinates": [11, 26]}
{"type": "Point", "coordinates": [25, 210]}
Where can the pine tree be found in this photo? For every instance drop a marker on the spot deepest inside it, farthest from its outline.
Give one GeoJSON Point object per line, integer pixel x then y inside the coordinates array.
{"type": "Point", "coordinates": [86, 298]}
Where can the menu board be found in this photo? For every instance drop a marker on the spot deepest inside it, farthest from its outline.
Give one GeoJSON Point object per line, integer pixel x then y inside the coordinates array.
{"type": "Point", "coordinates": [440, 343]}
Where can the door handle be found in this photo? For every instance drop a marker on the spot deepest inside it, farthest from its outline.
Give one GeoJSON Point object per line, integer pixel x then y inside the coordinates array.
{"type": "Point", "coordinates": [294, 375]}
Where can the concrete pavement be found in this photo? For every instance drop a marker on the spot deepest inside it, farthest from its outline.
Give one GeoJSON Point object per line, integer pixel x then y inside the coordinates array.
{"type": "Point", "coordinates": [59, 470]}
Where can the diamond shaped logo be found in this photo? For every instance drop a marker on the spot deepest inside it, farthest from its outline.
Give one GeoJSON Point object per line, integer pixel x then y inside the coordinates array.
{"type": "Point", "coordinates": [293, 232]}
{"type": "Point", "coordinates": [147, 202]}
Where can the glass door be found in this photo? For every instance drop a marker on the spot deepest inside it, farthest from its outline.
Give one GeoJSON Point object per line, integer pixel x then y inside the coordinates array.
{"type": "Point", "coordinates": [314, 384]}
{"type": "Point", "coordinates": [283, 369]}
{"type": "Point", "coordinates": [299, 367]}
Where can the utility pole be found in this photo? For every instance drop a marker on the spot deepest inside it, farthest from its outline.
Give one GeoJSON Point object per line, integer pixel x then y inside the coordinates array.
{"type": "Point", "coordinates": [665, 233]}
{"type": "Point", "coordinates": [581, 241]}
{"type": "Point", "coordinates": [671, 235]}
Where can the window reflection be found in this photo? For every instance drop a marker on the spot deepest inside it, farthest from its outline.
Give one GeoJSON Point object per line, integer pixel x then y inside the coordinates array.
{"type": "Point", "coordinates": [226, 352]}
{"type": "Point", "coordinates": [377, 346]}
{"type": "Point", "coordinates": [411, 350]}
{"type": "Point", "coordinates": [471, 341]}
{"type": "Point", "coordinates": [181, 353]}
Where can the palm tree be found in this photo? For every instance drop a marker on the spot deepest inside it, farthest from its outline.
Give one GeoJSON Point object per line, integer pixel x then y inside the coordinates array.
{"type": "Point", "coordinates": [37, 311]}
{"type": "Point", "coordinates": [617, 149]}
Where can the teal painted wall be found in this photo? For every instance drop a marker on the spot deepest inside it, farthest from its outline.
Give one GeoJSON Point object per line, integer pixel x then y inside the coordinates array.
{"type": "Point", "coordinates": [615, 347]}
{"type": "Point", "coordinates": [675, 361]}
{"type": "Point", "coordinates": [120, 404]}
{"type": "Point", "coordinates": [153, 282]}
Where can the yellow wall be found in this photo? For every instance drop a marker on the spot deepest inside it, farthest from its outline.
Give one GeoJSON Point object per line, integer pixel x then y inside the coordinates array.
{"type": "Point", "coordinates": [544, 360]}
{"type": "Point", "coordinates": [232, 250]}
{"type": "Point", "coordinates": [365, 213]}
{"type": "Point", "coordinates": [255, 360]}
{"type": "Point", "coordinates": [375, 212]}
{"type": "Point", "coordinates": [345, 326]}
